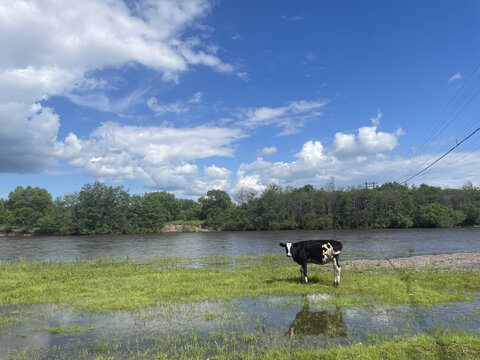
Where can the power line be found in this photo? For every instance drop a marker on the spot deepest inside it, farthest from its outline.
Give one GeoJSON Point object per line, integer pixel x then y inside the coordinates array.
{"type": "Point", "coordinates": [460, 100]}
{"type": "Point", "coordinates": [441, 157]}
{"type": "Point", "coordinates": [459, 156]}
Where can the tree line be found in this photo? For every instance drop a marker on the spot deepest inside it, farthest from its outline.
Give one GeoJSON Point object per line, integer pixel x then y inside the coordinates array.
{"type": "Point", "coordinates": [101, 209]}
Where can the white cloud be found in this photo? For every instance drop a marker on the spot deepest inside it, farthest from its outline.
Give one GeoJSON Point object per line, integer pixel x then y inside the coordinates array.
{"type": "Point", "coordinates": [242, 75]}
{"type": "Point", "coordinates": [200, 57]}
{"type": "Point", "coordinates": [317, 168]}
{"type": "Point", "coordinates": [373, 141]}
{"type": "Point", "coordinates": [316, 164]}
{"type": "Point", "coordinates": [186, 169]}
{"type": "Point", "coordinates": [292, 18]}
{"type": "Point", "coordinates": [196, 98]}
{"type": "Point", "coordinates": [350, 159]}
{"type": "Point", "coordinates": [56, 48]}
{"type": "Point", "coordinates": [214, 178]}
{"type": "Point", "coordinates": [368, 140]}
{"type": "Point", "coordinates": [308, 58]}
{"type": "Point", "coordinates": [215, 172]}
{"type": "Point", "coordinates": [50, 50]}
{"type": "Point", "coordinates": [177, 107]}
{"type": "Point", "coordinates": [312, 152]}
{"type": "Point", "coordinates": [162, 109]}
{"type": "Point", "coordinates": [345, 144]}
{"type": "Point", "coordinates": [291, 117]}
{"type": "Point", "coordinates": [161, 156]}
{"type": "Point", "coordinates": [267, 151]}
{"type": "Point", "coordinates": [100, 101]}
{"type": "Point", "coordinates": [376, 120]}
{"type": "Point", "coordinates": [243, 181]}
{"type": "Point", "coordinates": [457, 76]}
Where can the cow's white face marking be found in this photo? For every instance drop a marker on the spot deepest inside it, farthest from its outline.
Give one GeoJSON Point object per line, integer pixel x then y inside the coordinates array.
{"type": "Point", "coordinates": [327, 252]}
{"type": "Point", "coordinates": [288, 245]}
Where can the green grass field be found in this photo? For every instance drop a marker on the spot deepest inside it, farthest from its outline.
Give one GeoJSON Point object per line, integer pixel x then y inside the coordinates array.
{"type": "Point", "coordinates": [102, 285]}
{"type": "Point", "coordinates": [108, 285]}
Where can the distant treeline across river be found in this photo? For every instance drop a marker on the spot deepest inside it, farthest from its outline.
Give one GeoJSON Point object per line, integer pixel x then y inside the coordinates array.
{"type": "Point", "coordinates": [101, 209]}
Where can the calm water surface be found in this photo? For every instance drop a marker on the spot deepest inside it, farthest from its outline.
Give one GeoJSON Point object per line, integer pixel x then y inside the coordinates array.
{"type": "Point", "coordinates": [363, 244]}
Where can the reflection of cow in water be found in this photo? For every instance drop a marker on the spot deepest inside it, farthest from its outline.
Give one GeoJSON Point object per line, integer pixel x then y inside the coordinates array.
{"type": "Point", "coordinates": [318, 323]}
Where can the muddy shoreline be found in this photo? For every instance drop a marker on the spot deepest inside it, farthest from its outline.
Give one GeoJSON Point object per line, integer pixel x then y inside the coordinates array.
{"type": "Point", "coordinates": [462, 261]}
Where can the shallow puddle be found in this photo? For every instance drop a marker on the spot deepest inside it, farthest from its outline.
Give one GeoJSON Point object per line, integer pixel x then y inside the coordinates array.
{"type": "Point", "coordinates": [57, 331]}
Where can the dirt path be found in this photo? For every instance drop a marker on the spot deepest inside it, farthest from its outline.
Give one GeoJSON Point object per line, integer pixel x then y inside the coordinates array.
{"type": "Point", "coordinates": [464, 261]}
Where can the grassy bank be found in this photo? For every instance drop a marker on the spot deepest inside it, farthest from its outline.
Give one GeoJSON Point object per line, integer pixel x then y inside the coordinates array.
{"type": "Point", "coordinates": [102, 285]}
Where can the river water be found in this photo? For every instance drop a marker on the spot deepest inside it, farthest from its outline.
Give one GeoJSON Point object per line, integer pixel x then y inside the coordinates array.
{"type": "Point", "coordinates": [358, 244]}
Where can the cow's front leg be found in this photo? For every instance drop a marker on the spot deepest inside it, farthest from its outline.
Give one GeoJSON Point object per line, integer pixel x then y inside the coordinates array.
{"type": "Point", "coordinates": [303, 273]}
{"type": "Point", "coordinates": [337, 269]}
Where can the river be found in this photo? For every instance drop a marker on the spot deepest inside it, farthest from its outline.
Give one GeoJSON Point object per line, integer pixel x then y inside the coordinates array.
{"type": "Point", "coordinates": [357, 244]}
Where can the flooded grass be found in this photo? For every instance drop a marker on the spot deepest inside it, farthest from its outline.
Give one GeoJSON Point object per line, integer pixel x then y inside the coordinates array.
{"type": "Point", "coordinates": [248, 307]}
{"type": "Point", "coordinates": [104, 285]}
{"type": "Point", "coordinates": [439, 345]}
{"type": "Point", "coordinates": [263, 328]}
{"type": "Point", "coordinates": [66, 330]}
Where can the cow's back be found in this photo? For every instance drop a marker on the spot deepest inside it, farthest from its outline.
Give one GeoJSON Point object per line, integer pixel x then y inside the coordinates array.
{"type": "Point", "coordinates": [318, 244]}
{"type": "Point", "coordinates": [313, 250]}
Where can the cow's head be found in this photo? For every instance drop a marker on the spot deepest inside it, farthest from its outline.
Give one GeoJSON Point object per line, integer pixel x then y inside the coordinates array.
{"type": "Point", "coordinates": [288, 248]}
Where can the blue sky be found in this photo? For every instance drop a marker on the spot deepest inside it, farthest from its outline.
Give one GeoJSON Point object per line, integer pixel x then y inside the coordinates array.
{"type": "Point", "coordinates": [186, 96]}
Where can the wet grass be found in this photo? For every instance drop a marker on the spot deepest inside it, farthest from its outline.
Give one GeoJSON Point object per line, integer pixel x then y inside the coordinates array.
{"type": "Point", "coordinates": [441, 344]}
{"type": "Point", "coordinates": [103, 285]}
{"type": "Point", "coordinates": [66, 330]}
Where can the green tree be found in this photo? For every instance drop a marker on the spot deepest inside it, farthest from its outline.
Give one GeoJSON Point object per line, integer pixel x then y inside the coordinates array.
{"type": "Point", "coordinates": [234, 219]}
{"type": "Point", "coordinates": [318, 222]}
{"type": "Point", "coordinates": [155, 211]}
{"type": "Point", "coordinates": [300, 207]}
{"type": "Point", "coordinates": [189, 209]}
{"type": "Point", "coordinates": [3, 213]}
{"type": "Point", "coordinates": [437, 216]}
{"type": "Point", "coordinates": [272, 209]}
{"type": "Point", "coordinates": [27, 205]}
{"type": "Point", "coordinates": [101, 209]}
{"type": "Point", "coordinates": [392, 207]}
{"type": "Point", "coordinates": [214, 206]}
{"type": "Point", "coordinates": [245, 196]}
{"type": "Point", "coordinates": [133, 223]}
{"type": "Point", "coordinates": [472, 216]}
{"type": "Point", "coordinates": [60, 221]}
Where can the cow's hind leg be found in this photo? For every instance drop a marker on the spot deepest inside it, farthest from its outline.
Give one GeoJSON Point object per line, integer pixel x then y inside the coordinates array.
{"type": "Point", "coordinates": [337, 269]}
{"type": "Point", "coordinates": [303, 273]}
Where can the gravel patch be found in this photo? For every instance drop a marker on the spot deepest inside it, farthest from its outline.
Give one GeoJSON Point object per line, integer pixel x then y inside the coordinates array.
{"type": "Point", "coordinates": [463, 261]}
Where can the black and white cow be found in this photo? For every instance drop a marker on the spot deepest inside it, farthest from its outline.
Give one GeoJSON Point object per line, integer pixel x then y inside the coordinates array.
{"type": "Point", "coordinates": [315, 252]}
